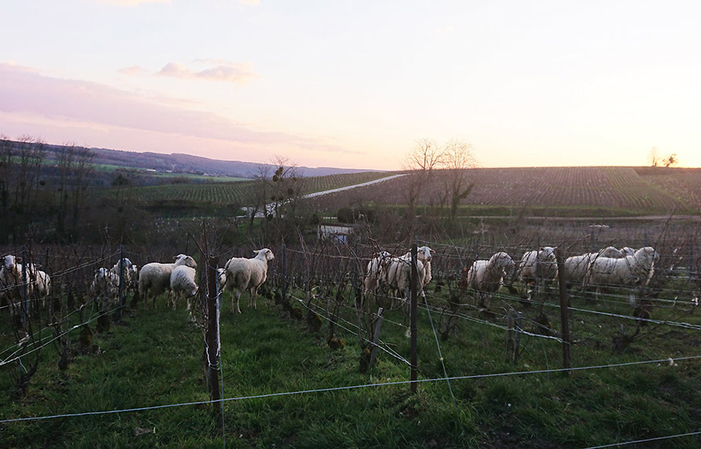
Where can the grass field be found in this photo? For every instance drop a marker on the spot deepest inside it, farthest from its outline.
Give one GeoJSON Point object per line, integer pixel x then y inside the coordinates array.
{"type": "Point", "coordinates": [285, 386]}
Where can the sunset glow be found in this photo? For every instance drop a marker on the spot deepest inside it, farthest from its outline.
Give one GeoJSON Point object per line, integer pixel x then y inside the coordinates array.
{"type": "Point", "coordinates": [355, 84]}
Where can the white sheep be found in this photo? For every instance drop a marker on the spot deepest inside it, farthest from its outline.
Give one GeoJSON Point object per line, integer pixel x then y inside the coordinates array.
{"type": "Point", "coordinates": [540, 266]}
{"type": "Point", "coordinates": [183, 283]}
{"type": "Point", "coordinates": [425, 255]}
{"type": "Point", "coordinates": [487, 276]}
{"type": "Point", "coordinates": [376, 272]}
{"type": "Point", "coordinates": [577, 267]}
{"type": "Point", "coordinates": [399, 277]}
{"type": "Point", "coordinates": [11, 283]}
{"type": "Point", "coordinates": [247, 274]}
{"type": "Point", "coordinates": [104, 286]}
{"type": "Point", "coordinates": [631, 271]}
{"type": "Point", "coordinates": [154, 277]}
{"type": "Point", "coordinates": [129, 276]}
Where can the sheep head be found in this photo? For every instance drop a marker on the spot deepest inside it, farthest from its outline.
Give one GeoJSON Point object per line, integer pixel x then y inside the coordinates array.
{"type": "Point", "coordinates": [264, 254]}
{"type": "Point", "coordinates": [183, 259]}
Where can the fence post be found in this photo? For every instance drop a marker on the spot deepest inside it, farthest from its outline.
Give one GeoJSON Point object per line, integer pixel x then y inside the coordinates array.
{"type": "Point", "coordinates": [213, 334]}
{"type": "Point", "coordinates": [25, 284]}
{"type": "Point", "coordinates": [509, 334]}
{"type": "Point", "coordinates": [376, 336]}
{"type": "Point", "coordinates": [413, 280]}
{"type": "Point", "coordinates": [563, 310]}
{"type": "Point", "coordinates": [284, 274]}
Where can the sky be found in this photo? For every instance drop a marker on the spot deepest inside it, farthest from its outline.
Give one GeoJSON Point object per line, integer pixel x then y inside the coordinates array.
{"type": "Point", "coordinates": [357, 83]}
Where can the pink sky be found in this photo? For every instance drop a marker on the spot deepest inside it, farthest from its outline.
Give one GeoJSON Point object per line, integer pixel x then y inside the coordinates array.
{"type": "Point", "coordinates": [356, 84]}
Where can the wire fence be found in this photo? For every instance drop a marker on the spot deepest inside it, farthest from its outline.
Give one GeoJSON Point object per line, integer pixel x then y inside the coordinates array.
{"type": "Point", "coordinates": [327, 280]}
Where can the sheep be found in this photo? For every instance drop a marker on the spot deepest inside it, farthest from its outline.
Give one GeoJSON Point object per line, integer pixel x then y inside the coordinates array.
{"type": "Point", "coordinates": [11, 283]}
{"type": "Point", "coordinates": [129, 274]}
{"type": "Point", "coordinates": [104, 286]}
{"type": "Point", "coordinates": [538, 266]}
{"type": "Point", "coordinates": [376, 272]}
{"type": "Point", "coordinates": [154, 277]}
{"type": "Point", "coordinates": [399, 277]}
{"type": "Point", "coordinates": [486, 276]}
{"type": "Point", "coordinates": [425, 255]}
{"type": "Point", "coordinates": [182, 282]}
{"type": "Point", "coordinates": [577, 267]}
{"type": "Point", "coordinates": [631, 271]}
{"type": "Point", "coordinates": [247, 274]}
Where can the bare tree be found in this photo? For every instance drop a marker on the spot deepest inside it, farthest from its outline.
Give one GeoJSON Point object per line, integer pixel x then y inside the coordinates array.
{"type": "Point", "coordinates": [421, 160]}
{"type": "Point", "coordinates": [458, 156]}
{"type": "Point", "coordinates": [654, 157]}
{"type": "Point", "coordinates": [260, 193]}
{"type": "Point", "coordinates": [83, 167]}
{"type": "Point", "coordinates": [671, 160]}
{"type": "Point", "coordinates": [65, 158]}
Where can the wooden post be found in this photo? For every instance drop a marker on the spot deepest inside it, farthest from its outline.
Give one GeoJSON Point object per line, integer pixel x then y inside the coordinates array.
{"type": "Point", "coordinates": [510, 335]}
{"type": "Point", "coordinates": [376, 336]}
{"type": "Point", "coordinates": [121, 282]}
{"type": "Point", "coordinates": [284, 274]}
{"type": "Point", "coordinates": [213, 335]}
{"type": "Point", "coordinates": [517, 337]}
{"type": "Point", "coordinates": [413, 280]}
{"type": "Point", "coordinates": [563, 310]}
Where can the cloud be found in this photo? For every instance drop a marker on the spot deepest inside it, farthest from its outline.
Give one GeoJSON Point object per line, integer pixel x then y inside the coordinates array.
{"type": "Point", "coordinates": [231, 72]}
{"type": "Point", "coordinates": [130, 2]}
{"type": "Point", "coordinates": [133, 70]}
{"type": "Point", "coordinates": [75, 103]}
{"type": "Point", "coordinates": [249, 2]}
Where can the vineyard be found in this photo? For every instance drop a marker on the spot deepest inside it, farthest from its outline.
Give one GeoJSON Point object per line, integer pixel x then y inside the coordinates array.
{"type": "Point", "coordinates": [295, 373]}
{"type": "Point", "coordinates": [609, 188]}
{"type": "Point", "coordinates": [240, 192]}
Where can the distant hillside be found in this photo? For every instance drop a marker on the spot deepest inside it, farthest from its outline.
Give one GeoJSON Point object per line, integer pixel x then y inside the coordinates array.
{"type": "Point", "coordinates": [186, 163]}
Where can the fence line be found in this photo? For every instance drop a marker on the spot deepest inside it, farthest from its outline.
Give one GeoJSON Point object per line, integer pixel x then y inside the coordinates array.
{"type": "Point", "coordinates": [353, 387]}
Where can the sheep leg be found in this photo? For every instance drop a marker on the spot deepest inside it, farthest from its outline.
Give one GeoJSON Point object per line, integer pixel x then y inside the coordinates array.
{"type": "Point", "coordinates": [238, 296]}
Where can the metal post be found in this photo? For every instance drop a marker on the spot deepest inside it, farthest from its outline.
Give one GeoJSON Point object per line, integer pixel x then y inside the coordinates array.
{"type": "Point", "coordinates": [563, 310]}
{"type": "Point", "coordinates": [213, 335]}
{"type": "Point", "coordinates": [413, 280]}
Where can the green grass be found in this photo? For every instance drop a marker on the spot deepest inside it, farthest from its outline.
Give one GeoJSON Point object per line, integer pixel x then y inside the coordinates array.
{"type": "Point", "coordinates": [155, 358]}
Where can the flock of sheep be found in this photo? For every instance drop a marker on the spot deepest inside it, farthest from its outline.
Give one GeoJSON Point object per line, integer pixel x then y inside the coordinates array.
{"type": "Point", "coordinates": [609, 266]}
{"type": "Point", "coordinates": [152, 280]}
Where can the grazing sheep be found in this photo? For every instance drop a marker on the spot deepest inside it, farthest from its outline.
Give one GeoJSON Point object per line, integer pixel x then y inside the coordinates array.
{"type": "Point", "coordinates": [154, 277]}
{"type": "Point", "coordinates": [631, 271]}
{"type": "Point", "coordinates": [247, 274]}
{"type": "Point", "coordinates": [104, 286]}
{"type": "Point", "coordinates": [11, 283]}
{"type": "Point", "coordinates": [130, 274]}
{"type": "Point", "coordinates": [376, 272]}
{"type": "Point", "coordinates": [577, 267]}
{"type": "Point", "coordinates": [399, 277]}
{"type": "Point", "coordinates": [12, 287]}
{"type": "Point", "coordinates": [182, 282]}
{"type": "Point", "coordinates": [425, 255]}
{"type": "Point", "coordinates": [486, 276]}
{"type": "Point", "coordinates": [540, 266]}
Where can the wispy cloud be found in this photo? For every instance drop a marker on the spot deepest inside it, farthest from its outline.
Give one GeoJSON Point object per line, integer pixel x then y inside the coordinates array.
{"type": "Point", "coordinates": [130, 2]}
{"type": "Point", "coordinates": [218, 70]}
{"type": "Point", "coordinates": [26, 93]}
{"type": "Point", "coordinates": [249, 2]}
{"type": "Point", "coordinates": [133, 70]}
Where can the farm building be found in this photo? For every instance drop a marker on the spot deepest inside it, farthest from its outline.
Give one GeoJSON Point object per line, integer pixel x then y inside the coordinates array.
{"type": "Point", "coordinates": [340, 233]}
